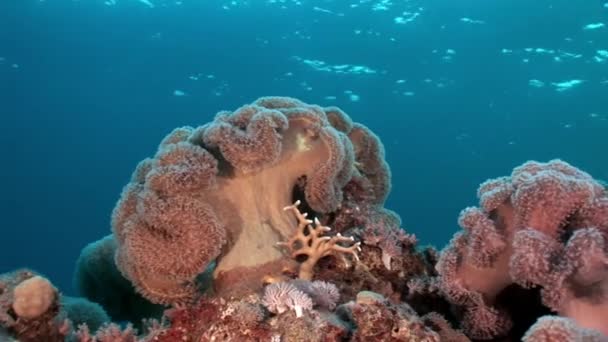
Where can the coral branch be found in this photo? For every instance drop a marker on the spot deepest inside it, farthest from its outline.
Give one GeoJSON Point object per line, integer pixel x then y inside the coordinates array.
{"type": "Point", "coordinates": [309, 241]}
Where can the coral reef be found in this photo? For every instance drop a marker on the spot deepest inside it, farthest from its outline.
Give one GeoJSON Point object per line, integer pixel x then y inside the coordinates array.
{"type": "Point", "coordinates": [268, 224]}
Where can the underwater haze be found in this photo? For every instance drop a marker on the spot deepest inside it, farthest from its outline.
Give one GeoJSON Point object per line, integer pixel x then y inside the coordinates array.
{"type": "Point", "coordinates": [458, 91]}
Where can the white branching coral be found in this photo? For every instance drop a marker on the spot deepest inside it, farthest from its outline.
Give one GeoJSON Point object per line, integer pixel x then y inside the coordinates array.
{"type": "Point", "coordinates": [309, 241]}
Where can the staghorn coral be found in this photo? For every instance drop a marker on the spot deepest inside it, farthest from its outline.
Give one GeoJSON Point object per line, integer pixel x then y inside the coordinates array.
{"type": "Point", "coordinates": [310, 242]}
{"type": "Point", "coordinates": [486, 257]}
{"type": "Point", "coordinates": [215, 193]}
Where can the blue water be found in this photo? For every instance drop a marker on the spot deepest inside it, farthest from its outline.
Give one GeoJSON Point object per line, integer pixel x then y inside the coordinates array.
{"type": "Point", "coordinates": [87, 89]}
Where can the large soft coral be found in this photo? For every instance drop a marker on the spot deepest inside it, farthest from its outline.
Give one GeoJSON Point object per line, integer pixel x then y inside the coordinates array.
{"type": "Point", "coordinates": [553, 199]}
{"type": "Point", "coordinates": [216, 193]}
{"type": "Point", "coordinates": [573, 277]}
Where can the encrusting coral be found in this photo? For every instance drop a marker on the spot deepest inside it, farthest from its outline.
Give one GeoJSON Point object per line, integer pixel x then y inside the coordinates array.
{"type": "Point", "coordinates": [202, 250]}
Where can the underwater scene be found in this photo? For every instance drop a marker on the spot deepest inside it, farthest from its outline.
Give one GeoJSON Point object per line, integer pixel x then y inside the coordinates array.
{"type": "Point", "coordinates": [304, 170]}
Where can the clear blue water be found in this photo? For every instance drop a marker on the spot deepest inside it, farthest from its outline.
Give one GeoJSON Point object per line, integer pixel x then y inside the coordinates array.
{"type": "Point", "coordinates": [459, 91]}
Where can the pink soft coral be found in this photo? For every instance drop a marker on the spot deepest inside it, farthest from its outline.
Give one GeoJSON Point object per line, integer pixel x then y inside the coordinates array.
{"type": "Point", "coordinates": [573, 277]}
{"type": "Point", "coordinates": [216, 193]}
{"type": "Point", "coordinates": [552, 200]}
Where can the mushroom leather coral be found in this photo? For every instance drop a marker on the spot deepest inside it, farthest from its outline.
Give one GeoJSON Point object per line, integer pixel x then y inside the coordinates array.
{"type": "Point", "coordinates": [518, 235]}
{"type": "Point", "coordinates": [215, 193]}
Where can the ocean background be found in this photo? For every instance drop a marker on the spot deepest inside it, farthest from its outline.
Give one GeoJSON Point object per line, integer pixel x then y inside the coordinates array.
{"type": "Point", "coordinates": [459, 91]}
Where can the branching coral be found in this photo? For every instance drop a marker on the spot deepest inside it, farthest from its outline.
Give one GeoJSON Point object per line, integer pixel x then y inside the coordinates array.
{"type": "Point", "coordinates": [215, 193]}
{"type": "Point", "coordinates": [310, 242]}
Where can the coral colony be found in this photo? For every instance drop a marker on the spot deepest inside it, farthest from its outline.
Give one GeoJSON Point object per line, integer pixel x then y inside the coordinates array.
{"type": "Point", "coordinates": [268, 224]}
